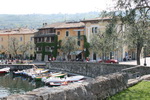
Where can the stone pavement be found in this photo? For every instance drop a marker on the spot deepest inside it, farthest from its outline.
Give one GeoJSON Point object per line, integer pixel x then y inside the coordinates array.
{"type": "Point", "coordinates": [133, 62]}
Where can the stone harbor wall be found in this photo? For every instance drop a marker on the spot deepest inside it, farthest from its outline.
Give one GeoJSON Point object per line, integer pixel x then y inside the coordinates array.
{"type": "Point", "coordinates": [137, 71]}
{"type": "Point", "coordinates": [98, 88]}
{"type": "Point", "coordinates": [107, 80]}
{"type": "Point", "coordinates": [97, 69]}
{"type": "Point", "coordinates": [87, 69]}
{"type": "Point", "coordinates": [16, 67]}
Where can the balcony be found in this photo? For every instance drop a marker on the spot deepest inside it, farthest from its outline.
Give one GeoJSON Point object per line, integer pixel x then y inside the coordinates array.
{"type": "Point", "coordinates": [44, 35]}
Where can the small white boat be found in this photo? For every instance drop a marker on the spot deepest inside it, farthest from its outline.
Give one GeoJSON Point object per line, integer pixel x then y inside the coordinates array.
{"type": "Point", "coordinates": [74, 78]}
{"type": "Point", "coordinates": [58, 83]}
{"type": "Point", "coordinates": [63, 81]}
{"type": "Point", "coordinates": [18, 72]}
{"type": "Point", "coordinates": [5, 70]}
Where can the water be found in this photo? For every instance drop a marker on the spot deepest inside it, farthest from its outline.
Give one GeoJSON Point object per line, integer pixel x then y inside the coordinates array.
{"type": "Point", "coordinates": [12, 84]}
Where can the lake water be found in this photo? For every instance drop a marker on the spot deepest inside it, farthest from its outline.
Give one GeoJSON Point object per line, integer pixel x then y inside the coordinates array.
{"type": "Point", "coordinates": [12, 84]}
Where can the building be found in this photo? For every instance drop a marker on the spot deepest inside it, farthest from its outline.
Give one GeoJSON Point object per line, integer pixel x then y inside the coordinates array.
{"type": "Point", "coordinates": [95, 25]}
{"type": "Point", "coordinates": [22, 36]}
{"type": "Point", "coordinates": [75, 29]}
{"type": "Point", "coordinates": [45, 40]}
{"type": "Point", "coordinates": [48, 37]}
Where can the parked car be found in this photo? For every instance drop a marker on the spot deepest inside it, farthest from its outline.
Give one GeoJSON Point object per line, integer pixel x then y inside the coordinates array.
{"type": "Point", "coordinates": [109, 61]}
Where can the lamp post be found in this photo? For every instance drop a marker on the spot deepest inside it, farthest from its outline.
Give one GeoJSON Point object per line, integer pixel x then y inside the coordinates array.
{"type": "Point", "coordinates": [145, 55]}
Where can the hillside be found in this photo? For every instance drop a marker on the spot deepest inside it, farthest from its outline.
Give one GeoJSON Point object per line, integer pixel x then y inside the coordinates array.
{"type": "Point", "coordinates": [36, 20]}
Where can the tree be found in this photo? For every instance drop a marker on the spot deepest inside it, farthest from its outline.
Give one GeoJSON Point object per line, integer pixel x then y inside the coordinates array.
{"type": "Point", "coordinates": [134, 16]}
{"type": "Point", "coordinates": [25, 48]}
{"type": "Point", "coordinates": [14, 46]}
{"type": "Point", "coordinates": [69, 45]}
{"type": "Point", "coordinates": [102, 43]}
{"type": "Point", "coordinates": [86, 47]}
{"type": "Point", "coordinates": [108, 40]}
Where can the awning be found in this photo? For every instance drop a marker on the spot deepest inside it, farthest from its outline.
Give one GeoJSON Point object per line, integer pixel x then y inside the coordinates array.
{"type": "Point", "coordinates": [75, 52]}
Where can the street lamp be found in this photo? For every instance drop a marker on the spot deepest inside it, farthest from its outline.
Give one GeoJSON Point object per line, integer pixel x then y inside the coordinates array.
{"type": "Point", "coordinates": [145, 55]}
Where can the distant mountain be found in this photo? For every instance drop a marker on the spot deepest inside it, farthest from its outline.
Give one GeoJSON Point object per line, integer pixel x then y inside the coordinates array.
{"type": "Point", "coordinates": [36, 20]}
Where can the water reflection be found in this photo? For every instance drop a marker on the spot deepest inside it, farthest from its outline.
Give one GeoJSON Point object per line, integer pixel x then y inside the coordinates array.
{"type": "Point", "coordinates": [12, 84]}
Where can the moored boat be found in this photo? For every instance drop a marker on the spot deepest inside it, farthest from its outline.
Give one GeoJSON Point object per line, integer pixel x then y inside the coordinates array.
{"type": "Point", "coordinates": [40, 76]}
{"type": "Point", "coordinates": [55, 81]}
{"type": "Point", "coordinates": [61, 75]}
{"type": "Point", "coordinates": [5, 70]}
{"type": "Point", "coordinates": [58, 83]}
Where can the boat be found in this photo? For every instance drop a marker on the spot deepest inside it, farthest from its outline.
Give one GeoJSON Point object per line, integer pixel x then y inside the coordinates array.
{"type": "Point", "coordinates": [5, 70]}
{"type": "Point", "coordinates": [61, 75]}
{"type": "Point", "coordinates": [41, 70]}
{"type": "Point", "coordinates": [31, 72]}
{"type": "Point", "coordinates": [18, 72]}
{"type": "Point", "coordinates": [56, 81]}
{"type": "Point", "coordinates": [40, 76]}
{"type": "Point", "coordinates": [54, 75]}
{"type": "Point", "coordinates": [75, 78]}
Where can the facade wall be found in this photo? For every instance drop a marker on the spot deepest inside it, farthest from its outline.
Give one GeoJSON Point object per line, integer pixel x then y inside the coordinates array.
{"type": "Point", "coordinates": [118, 54]}
{"type": "Point", "coordinates": [23, 37]}
{"type": "Point", "coordinates": [72, 32]}
{"type": "Point", "coordinates": [59, 30]}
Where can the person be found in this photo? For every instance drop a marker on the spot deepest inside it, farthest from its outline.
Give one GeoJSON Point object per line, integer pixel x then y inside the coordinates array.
{"type": "Point", "coordinates": [130, 57]}
{"type": "Point", "coordinates": [53, 58]}
{"type": "Point", "coordinates": [50, 59]}
{"type": "Point", "coordinates": [87, 59]}
{"type": "Point", "coordinates": [124, 59]}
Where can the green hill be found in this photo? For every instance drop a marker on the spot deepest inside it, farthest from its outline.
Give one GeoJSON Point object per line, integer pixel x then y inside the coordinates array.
{"type": "Point", "coordinates": [36, 20]}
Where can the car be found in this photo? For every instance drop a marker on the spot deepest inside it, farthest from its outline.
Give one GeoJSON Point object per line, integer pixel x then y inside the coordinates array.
{"type": "Point", "coordinates": [113, 61]}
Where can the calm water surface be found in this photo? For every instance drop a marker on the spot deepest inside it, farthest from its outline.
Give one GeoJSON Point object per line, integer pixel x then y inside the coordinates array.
{"type": "Point", "coordinates": [12, 84]}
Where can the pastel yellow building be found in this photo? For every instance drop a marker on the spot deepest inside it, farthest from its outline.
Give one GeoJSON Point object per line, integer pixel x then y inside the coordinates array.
{"type": "Point", "coordinates": [73, 29]}
{"type": "Point", "coordinates": [46, 37]}
{"type": "Point", "coordinates": [96, 25]}
{"type": "Point", "coordinates": [22, 36]}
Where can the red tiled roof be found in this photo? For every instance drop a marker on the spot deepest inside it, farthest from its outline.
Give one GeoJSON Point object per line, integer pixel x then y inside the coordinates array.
{"type": "Point", "coordinates": [64, 25]}
{"type": "Point", "coordinates": [18, 31]}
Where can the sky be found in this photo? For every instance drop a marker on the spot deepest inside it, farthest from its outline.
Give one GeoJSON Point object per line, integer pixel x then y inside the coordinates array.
{"type": "Point", "coordinates": [51, 6]}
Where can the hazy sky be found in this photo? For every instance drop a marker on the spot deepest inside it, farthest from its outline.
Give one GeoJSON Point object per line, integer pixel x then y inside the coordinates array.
{"type": "Point", "coordinates": [51, 6]}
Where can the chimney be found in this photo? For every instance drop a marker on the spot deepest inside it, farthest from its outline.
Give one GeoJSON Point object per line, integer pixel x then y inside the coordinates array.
{"type": "Point", "coordinates": [44, 24]}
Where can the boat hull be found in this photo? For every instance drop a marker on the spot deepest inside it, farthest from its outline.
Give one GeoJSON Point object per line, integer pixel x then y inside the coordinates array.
{"type": "Point", "coordinates": [3, 72]}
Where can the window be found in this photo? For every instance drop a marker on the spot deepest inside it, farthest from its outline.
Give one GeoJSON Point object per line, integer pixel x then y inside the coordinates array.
{"type": "Point", "coordinates": [78, 43]}
{"type": "Point", "coordinates": [31, 39]}
{"type": "Point", "coordinates": [1, 39]}
{"type": "Point", "coordinates": [39, 39]}
{"type": "Point", "coordinates": [94, 29]}
{"type": "Point", "coordinates": [67, 33]}
{"type": "Point", "coordinates": [47, 48]}
{"type": "Point", "coordinates": [78, 34]}
{"type": "Point", "coordinates": [94, 56]}
{"type": "Point", "coordinates": [47, 39]}
{"type": "Point", "coordinates": [39, 48]}
{"type": "Point", "coordinates": [20, 38]}
{"type": "Point", "coordinates": [58, 33]}
{"type": "Point", "coordinates": [1, 47]}
{"type": "Point", "coordinates": [52, 39]}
